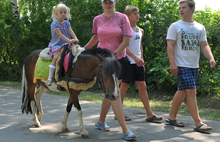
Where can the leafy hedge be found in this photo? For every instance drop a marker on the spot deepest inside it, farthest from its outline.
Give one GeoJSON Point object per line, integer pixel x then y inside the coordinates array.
{"type": "Point", "coordinates": [19, 37]}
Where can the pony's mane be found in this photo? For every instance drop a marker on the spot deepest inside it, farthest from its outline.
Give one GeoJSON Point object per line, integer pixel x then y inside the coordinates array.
{"type": "Point", "coordinates": [95, 51]}
{"type": "Point", "coordinates": [111, 65]}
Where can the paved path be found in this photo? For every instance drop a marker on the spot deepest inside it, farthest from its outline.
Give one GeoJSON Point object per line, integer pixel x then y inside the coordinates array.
{"type": "Point", "coordinates": [17, 127]}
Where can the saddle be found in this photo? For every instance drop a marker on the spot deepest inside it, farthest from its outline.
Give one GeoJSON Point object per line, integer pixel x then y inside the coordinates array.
{"type": "Point", "coordinates": [65, 64]}
{"type": "Point", "coordinates": [44, 54]}
{"type": "Point", "coordinates": [69, 59]}
{"type": "Point", "coordinates": [44, 60]}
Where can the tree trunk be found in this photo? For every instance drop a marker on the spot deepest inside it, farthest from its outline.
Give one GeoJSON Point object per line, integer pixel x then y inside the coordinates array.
{"type": "Point", "coordinates": [14, 4]}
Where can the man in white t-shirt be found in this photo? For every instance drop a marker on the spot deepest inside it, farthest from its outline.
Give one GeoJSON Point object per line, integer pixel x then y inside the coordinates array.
{"type": "Point", "coordinates": [185, 38]}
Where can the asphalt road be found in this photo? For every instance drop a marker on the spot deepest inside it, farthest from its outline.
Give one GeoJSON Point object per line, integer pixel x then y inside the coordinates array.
{"type": "Point", "coordinates": [18, 127]}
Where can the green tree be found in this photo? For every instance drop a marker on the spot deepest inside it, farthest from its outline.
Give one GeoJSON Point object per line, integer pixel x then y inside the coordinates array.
{"type": "Point", "coordinates": [30, 30]}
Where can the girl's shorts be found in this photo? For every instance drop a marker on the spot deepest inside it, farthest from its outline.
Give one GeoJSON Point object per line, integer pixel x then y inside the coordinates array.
{"type": "Point", "coordinates": [187, 78]}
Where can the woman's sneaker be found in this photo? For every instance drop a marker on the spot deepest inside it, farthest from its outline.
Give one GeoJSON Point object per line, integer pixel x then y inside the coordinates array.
{"type": "Point", "coordinates": [49, 82]}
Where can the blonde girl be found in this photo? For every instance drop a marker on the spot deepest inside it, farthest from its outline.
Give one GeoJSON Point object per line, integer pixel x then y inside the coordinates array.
{"type": "Point", "coordinates": [61, 32]}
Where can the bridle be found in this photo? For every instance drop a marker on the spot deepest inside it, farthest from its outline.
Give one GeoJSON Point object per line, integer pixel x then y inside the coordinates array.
{"type": "Point", "coordinates": [100, 80]}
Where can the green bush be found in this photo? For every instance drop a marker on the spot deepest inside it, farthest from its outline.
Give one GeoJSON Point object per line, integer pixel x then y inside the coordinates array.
{"type": "Point", "coordinates": [19, 37]}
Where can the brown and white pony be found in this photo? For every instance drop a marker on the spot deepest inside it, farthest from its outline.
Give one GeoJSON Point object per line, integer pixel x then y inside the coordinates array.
{"type": "Point", "coordinates": [91, 63]}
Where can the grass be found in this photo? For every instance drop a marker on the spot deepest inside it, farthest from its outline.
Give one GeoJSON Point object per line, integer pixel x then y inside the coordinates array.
{"type": "Point", "coordinates": [159, 101]}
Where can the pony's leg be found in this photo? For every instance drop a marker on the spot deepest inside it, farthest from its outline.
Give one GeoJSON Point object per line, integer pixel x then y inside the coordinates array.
{"type": "Point", "coordinates": [35, 119]}
{"type": "Point", "coordinates": [31, 90]}
{"type": "Point", "coordinates": [38, 95]}
{"type": "Point", "coordinates": [74, 98]}
{"type": "Point", "coordinates": [28, 75]}
{"type": "Point", "coordinates": [83, 131]}
{"type": "Point", "coordinates": [66, 115]}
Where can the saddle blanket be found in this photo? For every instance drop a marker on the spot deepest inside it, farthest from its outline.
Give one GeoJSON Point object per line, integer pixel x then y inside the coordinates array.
{"type": "Point", "coordinates": [42, 70]}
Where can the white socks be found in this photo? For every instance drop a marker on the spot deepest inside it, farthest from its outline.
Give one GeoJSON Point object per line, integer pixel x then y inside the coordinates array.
{"type": "Point", "coordinates": [51, 72]}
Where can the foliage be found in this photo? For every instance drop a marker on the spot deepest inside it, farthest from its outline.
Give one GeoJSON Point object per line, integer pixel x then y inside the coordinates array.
{"type": "Point", "coordinates": [155, 22]}
{"type": "Point", "coordinates": [9, 63]}
{"type": "Point", "coordinates": [208, 81]}
{"type": "Point", "coordinates": [19, 37]}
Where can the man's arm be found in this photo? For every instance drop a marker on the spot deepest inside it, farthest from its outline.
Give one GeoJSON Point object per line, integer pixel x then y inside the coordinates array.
{"type": "Point", "coordinates": [171, 55]}
{"type": "Point", "coordinates": [208, 53]}
{"type": "Point", "coordinates": [139, 61]}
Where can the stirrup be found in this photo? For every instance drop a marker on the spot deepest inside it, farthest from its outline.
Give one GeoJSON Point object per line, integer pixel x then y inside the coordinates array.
{"type": "Point", "coordinates": [49, 82]}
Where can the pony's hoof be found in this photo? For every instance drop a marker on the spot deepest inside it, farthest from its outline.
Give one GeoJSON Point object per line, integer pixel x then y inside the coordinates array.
{"type": "Point", "coordinates": [85, 136]}
{"type": "Point", "coordinates": [37, 125]}
{"type": "Point", "coordinates": [65, 130]}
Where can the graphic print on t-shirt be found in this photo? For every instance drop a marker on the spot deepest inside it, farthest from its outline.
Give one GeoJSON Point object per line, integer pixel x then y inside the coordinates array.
{"type": "Point", "coordinates": [190, 40]}
{"type": "Point", "coordinates": [137, 37]}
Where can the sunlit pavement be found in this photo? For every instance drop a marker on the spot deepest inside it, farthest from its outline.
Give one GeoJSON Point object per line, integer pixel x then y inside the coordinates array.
{"type": "Point", "coordinates": [18, 127]}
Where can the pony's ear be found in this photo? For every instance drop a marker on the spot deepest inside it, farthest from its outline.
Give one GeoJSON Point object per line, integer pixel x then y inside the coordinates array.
{"type": "Point", "coordinates": [101, 58]}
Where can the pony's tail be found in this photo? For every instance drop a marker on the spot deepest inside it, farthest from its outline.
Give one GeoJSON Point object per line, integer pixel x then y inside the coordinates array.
{"type": "Point", "coordinates": [25, 107]}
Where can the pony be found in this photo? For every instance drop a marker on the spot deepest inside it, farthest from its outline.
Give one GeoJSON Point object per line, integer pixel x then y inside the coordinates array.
{"type": "Point", "coordinates": [92, 64]}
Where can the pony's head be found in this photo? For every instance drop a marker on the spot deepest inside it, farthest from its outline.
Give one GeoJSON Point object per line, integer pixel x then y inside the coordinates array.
{"type": "Point", "coordinates": [110, 70]}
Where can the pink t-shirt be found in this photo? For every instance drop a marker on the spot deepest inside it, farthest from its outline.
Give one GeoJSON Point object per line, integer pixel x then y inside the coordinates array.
{"type": "Point", "coordinates": [110, 31]}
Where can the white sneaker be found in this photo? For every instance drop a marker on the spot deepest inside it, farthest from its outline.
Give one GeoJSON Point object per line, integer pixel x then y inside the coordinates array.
{"type": "Point", "coordinates": [49, 82]}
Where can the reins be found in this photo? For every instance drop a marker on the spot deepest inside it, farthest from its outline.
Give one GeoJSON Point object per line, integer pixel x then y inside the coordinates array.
{"type": "Point", "coordinates": [100, 81]}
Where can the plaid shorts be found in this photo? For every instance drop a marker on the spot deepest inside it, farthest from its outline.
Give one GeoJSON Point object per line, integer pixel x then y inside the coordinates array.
{"type": "Point", "coordinates": [187, 78]}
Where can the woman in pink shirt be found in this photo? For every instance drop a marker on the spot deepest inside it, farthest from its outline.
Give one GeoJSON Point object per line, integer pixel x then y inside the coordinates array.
{"type": "Point", "coordinates": [112, 31]}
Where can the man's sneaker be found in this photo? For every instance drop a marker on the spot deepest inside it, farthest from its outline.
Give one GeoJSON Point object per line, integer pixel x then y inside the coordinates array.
{"type": "Point", "coordinates": [49, 82]}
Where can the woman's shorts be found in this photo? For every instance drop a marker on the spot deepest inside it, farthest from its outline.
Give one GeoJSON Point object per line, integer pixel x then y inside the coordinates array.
{"type": "Point", "coordinates": [133, 73]}
{"type": "Point", "coordinates": [124, 62]}
{"type": "Point", "coordinates": [187, 78]}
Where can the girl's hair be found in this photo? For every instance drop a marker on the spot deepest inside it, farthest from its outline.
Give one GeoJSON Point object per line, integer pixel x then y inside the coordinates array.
{"type": "Point", "coordinates": [130, 8]}
{"type": "Point", "coordinates": [57, 8]}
